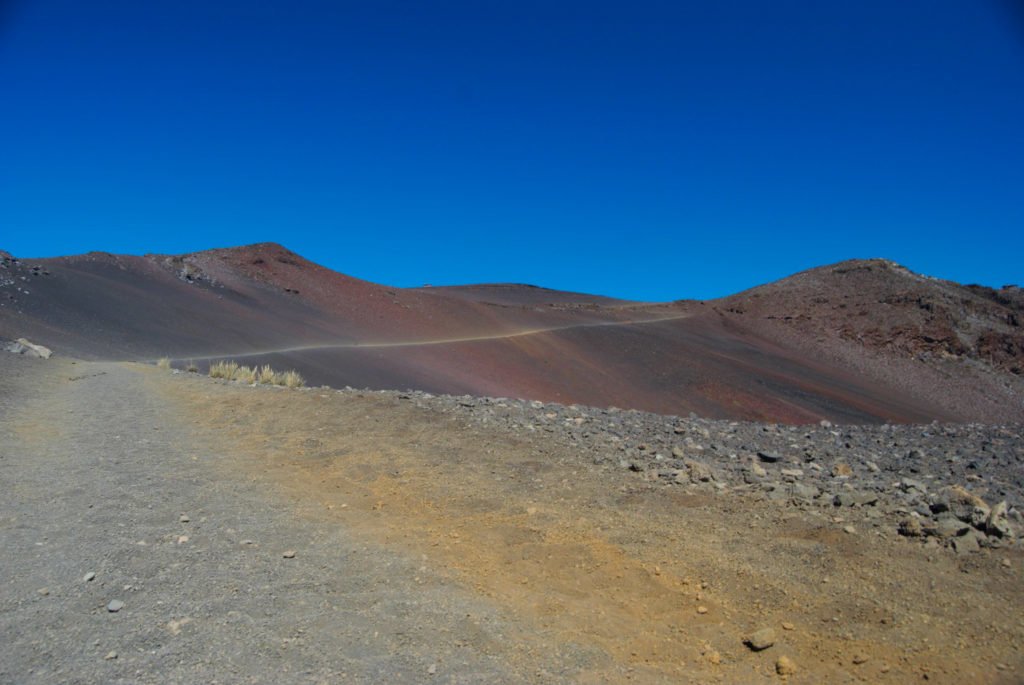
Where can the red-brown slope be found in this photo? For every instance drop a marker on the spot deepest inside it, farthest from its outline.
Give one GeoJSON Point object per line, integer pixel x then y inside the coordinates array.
{"type": "Point", "coordinates": [695, 364]}
{"type": "Point", "coordinates": [743, 357]}
{"type": "Point", "coordinates": [230, 301]}
{"type": "Point", "coordinates": [961, 346]}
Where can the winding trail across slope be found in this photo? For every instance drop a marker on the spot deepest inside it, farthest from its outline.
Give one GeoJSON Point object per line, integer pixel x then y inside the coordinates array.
{"type": "Point", "coordinates": [426, 549]}
{"type": "Point", "coordinates": [438, 341]}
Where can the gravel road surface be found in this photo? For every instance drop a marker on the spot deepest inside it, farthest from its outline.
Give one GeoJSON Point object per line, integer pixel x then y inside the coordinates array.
{"type": "Point", "coordinates": [109, 501]}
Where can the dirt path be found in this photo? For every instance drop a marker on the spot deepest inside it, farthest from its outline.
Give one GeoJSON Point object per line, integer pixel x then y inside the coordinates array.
{"type": "Point", "coordinates": [97, 468]}
{"type": "Point", "coordinates": [428, 549]}
{"type": "Point", "coordinates": [440, 341]}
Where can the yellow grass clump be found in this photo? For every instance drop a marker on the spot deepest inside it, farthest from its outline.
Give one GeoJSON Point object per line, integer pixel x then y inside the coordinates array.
{"type": "Point", "coordinates": [244, 374]}
{"type": "Point", "coordinates": [292, 379]}
{"type": "Point", "coordinates": [163, 363]}
{"type": "Point", "coordinates": [232, 371]}
{"type": "Point", "coordinates": [267, 376]}
{"type": "Point", "coordinates": [223, 370]}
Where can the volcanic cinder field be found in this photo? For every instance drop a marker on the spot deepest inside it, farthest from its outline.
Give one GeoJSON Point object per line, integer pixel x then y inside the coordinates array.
{"type": "Point", "coordinates": [820, 480]}
{"type": "Point", "coordinates": [859, 342]}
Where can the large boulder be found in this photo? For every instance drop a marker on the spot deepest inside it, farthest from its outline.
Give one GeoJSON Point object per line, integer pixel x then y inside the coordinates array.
{"type": "Point", "coordinates": [29, 349]}
{"type": "Point", "coordinates": [998, 522]}
{"type": "Point", "coordinates": [962, 504]}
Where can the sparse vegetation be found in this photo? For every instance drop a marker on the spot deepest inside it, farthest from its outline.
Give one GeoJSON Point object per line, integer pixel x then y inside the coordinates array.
{"type": "Point", "coordinates": [191, 367]}
{"type": "Point", "coordinates": [267, 376]}
{"type": "Point", "coordinates": [224, 370]}
{"type": "Point", "coordinates": [232, 371]}
{"type": "Point", "coordinates": [245, 374]}
{"type": "Point", "coordinates": [292, 379]}
{"type": "Point", "coordinates": [163, 363]}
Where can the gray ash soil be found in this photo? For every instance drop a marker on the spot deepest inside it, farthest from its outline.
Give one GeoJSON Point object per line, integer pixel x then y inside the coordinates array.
{"type": "Point", "coordinates": [457, 539]}
{"type": "Point", "coordinates": [97, 474]}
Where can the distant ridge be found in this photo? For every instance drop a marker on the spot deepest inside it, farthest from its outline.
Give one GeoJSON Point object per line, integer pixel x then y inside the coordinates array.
{"type": "Point", "coordinates": [860, 341]}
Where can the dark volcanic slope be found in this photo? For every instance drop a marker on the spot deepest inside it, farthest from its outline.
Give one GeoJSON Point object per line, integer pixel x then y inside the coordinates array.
{"type": "Point", "coordinates": [770, 354]}
{"type": "Point", "coordinates": [518, 294]}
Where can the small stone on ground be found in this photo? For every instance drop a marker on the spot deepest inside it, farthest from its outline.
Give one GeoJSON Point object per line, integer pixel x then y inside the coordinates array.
{"type": "Point", "coordinates": [761, 640]}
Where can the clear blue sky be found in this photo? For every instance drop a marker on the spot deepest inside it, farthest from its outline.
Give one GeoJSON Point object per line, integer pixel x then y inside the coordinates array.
{"type": "Point", "coordinates": [652, 150]}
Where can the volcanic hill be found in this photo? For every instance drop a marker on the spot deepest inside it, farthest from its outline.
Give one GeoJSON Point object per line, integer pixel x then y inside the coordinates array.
{"type": "Point", "coordinates": [863, 341]}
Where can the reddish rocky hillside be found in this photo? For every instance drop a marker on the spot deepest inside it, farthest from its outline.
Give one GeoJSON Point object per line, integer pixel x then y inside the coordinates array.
{"type": "Point", "coordinates": [962, 344]}
{"type": "Point", "coordinates": [859, 342]}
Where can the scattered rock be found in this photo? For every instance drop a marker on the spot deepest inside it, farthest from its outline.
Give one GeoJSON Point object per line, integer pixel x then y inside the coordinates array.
{"type": "Point", "coordinates": [968, 542]}
{"type": "Point", "coordinates": [785, 666]}
{"type": "Point", "coordinates": [115, 606]}
{"type": "Point", "coordinates": [761, 639]}
{"type": "Point", "coordinates": [698, 472]}
{"type": "Point", "coordinates": [910, 475]}
{"type": "Point", "coordinates": [855, 499]}
{"type": "Point", "coordinates": [110, 656]}
{"type": "Point", "coordinates": [28, 349]}
{"type": "Point", "coordinates": [859, 659]}
{"type": "Point", "coordinates": [946, 526]}
{"type": "Point", "coordinates": [912, 484]}
{"type": "Point", "coordinates": [43, 591]}
{"type": "Point", "coordinates": [841, 470]}
{"type": "Point", "coordinates": [184, 518]}
{"type": "Point", "coordinates": [290, 554]}
{"type": "Point", "coordinates": [911, 528]}
{"type": "Point", "coordinates": [998, 522]}
{"type": "Point", "coordinates": [702, 610]}
{"type": "Point", "coordinates": [803, 491]}
{"type": "Point", "coordinates": [90, 576]}
{"type": "Point", "coordinates": [962, 504]}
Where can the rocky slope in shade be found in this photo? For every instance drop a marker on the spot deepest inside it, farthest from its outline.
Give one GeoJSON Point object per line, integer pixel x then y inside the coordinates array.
{"type": "Point", "coordinates": [795, 351]}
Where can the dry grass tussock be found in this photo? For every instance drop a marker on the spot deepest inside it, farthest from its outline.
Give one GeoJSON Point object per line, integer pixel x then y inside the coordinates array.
{"type": "Point", "coordinates": [232, 371]}
{"type": "Point", "coordinates": [267, 376]}
{"type": "Point", "coordinates": [224, 370]}
{"type": "Point", "coordinates": [163, 363]}
{"type": "Point", "coordinates": [292, 379]}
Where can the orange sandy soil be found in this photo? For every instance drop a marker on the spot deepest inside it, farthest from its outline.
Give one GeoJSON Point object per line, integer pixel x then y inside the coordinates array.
{"type": "Point", "coordinates": [662, 585]}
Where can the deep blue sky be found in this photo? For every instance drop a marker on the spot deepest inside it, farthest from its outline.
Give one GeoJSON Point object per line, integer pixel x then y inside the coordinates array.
{"type": "Point", "coordinates": [641, 149]}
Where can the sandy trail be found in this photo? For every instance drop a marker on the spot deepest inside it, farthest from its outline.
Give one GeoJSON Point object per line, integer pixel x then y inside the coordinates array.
{"type": "Point", "coordinates": [429, 549]}
{"type": "Point", "coordinates": [98, 468]}
{"type": "Point", "coordinates": [437, 341]}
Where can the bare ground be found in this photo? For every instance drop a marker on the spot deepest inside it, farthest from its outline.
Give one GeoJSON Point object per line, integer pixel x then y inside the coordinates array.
{"type": "Point", "coordinates": [429, 548]}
